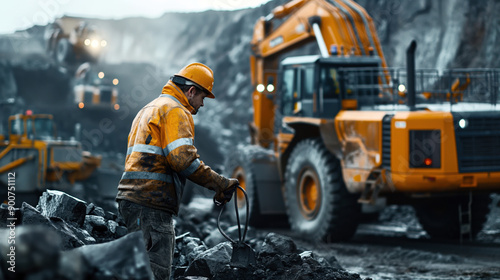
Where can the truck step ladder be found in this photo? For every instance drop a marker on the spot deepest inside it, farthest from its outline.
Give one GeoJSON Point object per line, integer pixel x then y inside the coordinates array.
{"type": "Point", "coordinates": [372, 188]}
{"type": "Point", "coordinates": [465, 219]}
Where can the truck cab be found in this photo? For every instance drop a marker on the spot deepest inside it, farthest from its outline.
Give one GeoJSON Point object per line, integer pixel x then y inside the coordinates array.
{"type": "Point", "coordinates": [312, 86]}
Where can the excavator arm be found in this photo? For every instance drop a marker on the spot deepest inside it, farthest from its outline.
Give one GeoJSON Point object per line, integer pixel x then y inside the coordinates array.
{"type": "Point", "coordinates": [340, 27]}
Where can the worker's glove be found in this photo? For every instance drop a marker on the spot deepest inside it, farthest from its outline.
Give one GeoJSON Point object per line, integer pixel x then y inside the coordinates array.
{"type": "Point", "coordinates": [224, 194]}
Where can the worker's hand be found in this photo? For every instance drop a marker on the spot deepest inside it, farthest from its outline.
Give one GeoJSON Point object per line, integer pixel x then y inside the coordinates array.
{"type": "Point", "coordinates": [225, 194]}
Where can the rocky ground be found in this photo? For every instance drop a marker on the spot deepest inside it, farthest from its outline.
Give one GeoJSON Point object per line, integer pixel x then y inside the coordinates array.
{"type": "Point", "coordinates": [67, 238]}
{"type": "Point", "coordinates": [393, 247]}
{"type": "Point", "coordinates": [64, 237]}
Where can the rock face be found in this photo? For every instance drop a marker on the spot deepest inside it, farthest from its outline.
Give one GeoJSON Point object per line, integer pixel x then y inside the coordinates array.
{"type": "Point", "coordinates": [449, 34]}
{"type": "Point", "coordinates": [36, 248]}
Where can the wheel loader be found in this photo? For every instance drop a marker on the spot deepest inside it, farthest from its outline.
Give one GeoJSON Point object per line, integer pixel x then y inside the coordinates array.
{"type": "Point", "coordinates": [40, 160]}
{"type": "Point", "coordinates": [94, 88]}
{"type": "Point", "coordinates": [338, 133]}
{"type": "Point", "coordinates": [71, 40]}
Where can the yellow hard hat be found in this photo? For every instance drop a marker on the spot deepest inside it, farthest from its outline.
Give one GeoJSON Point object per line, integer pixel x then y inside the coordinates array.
{"type": "Point", "coordinates": [199, 75]}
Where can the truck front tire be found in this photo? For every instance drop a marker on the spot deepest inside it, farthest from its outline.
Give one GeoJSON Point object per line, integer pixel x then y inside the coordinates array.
{"type": "Point", "coordinates": [319, 207]}
{"type": "Point", "coordinates": [439, 216]}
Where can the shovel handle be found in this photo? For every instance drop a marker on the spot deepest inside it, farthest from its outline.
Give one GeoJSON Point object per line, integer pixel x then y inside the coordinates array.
{"type": "Point", "coordinates": [241, 239]}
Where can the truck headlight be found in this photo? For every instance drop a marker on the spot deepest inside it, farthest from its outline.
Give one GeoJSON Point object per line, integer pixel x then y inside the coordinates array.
{"type": "Point", "coordinates": [463, 123]}
{"type": "Point", "coordinates": [425, 148]}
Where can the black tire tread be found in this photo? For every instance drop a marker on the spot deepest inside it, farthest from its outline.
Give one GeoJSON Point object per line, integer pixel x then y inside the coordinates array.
{"type": "Point", "coordinates": [342, 212]}
{"type": "Point", "coordinates": [439, 216]}
{"type": "Point", "coordinates": [243, 156]}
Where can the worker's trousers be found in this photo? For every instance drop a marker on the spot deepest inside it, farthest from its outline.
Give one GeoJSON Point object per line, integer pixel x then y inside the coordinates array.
{"type": "Point", "coordinates": [158, 231]}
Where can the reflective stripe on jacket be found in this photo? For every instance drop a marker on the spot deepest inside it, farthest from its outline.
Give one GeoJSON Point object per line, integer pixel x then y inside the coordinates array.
{"type": "Point", "coordinates": [161, 154]}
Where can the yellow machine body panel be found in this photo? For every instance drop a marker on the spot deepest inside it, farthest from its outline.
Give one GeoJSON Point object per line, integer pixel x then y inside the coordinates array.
{"type": "Point", "coordinates": [360, 133]}
{"type": "Point", "coordinates": [32, 149]}
{"type": "Point", "coordinates": [445, 178]}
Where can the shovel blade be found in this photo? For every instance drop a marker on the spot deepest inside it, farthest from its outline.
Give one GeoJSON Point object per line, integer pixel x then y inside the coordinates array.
{"type": "Point", "coordinates": [242, 256]}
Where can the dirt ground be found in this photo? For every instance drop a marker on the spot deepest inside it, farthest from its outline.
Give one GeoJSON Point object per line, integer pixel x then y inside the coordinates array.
{"type": "Point", "coordinates": [390, 257]}
{"type": "Point", "coordinates": [396, 247]}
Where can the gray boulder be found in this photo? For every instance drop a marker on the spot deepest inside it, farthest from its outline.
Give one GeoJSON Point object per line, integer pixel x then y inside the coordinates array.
{"type": "Point", "coordinates": [93, 209]}
{"type": "Point", "coordinates": [211, 261]}
{"type": "Point", "coordinates": [36, 248]}
{"type": "Point", "coordinates": [278, 244]}
{"type": "Point", "coordinates": [124, 258]}
{"type": "Point", "coordinates": [62, 205]}
{"type": "Point", "coordinates": [70, 236]}
{"type": "Point", "coordinates": [31, 216]}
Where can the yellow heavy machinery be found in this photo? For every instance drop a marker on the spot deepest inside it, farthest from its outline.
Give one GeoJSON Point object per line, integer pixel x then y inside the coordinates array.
{"type": "Point", "coordinates": [94, 88]}
{"type": "Point", "coordinates": [340, 131]}
{"type": "Point", "coordinates": [73, 40]}
{"type": "Point", "coordinates": [40, 160]}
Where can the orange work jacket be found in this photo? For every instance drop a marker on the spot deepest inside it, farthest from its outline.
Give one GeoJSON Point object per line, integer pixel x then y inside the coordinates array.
{"type": "Point", "coordinates": [161, 154]}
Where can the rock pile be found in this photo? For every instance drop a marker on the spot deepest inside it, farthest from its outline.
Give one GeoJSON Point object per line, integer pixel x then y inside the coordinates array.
{"type": "Point", "coordinates": [66, 238]}
{"type": "Point", "coordinates": [58, 240]}
{"type": "Point", "coordinates": [76, 221]}
{"type": "Point", "coordinates": [203, 253]}
{"type": "Point", "coordinates": [277, 258]}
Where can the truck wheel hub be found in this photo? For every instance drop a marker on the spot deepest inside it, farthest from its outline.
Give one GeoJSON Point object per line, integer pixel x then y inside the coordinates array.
{"type": "Point", "coordinates": [309, 193]}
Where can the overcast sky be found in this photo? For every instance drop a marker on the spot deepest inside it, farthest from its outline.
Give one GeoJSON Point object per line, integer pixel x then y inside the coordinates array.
{"type": "Point", "coordinates": [20, 14]}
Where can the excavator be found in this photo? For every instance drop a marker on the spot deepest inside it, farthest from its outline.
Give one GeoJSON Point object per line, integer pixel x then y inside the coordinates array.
{"type": "Point", "coordinates": [337, 132]}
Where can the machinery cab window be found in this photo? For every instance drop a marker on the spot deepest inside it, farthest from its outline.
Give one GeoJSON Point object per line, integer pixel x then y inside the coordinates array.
{"type": "Point", "coordinates": [356, 79]}
{"type": "Point", "coordinates": [289, 91]}
{"type": "Point", "coordinates": [43, 128]}
{"type": "Point", "coordinates": [297, 90]}
{"type": "Point", "coordinates": [316, 87]}
{"type": "Point", "coordinates": [329, 84]}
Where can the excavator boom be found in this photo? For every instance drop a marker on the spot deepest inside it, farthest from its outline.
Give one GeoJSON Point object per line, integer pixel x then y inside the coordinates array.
{"type": "Point", "coordinates": [340, 27]}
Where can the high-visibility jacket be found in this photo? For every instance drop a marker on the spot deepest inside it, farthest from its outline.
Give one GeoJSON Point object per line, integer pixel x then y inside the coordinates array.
{"type": "Point", "coordinates": [161, 154]}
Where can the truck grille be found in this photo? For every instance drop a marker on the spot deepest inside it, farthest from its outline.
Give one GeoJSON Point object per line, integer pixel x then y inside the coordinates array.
{"type": "Point", "coordinates": [386, 142]}
{"type": "Point", "coordinates": [478, 142]}
{"type": "Point", "coordinates": [105, 96]}
{"type": "Point", "coordinates": [87, 97]}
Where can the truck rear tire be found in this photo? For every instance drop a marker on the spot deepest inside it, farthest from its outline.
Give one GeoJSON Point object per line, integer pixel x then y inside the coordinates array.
{"type": "Point", "coordinates": [64, 51]}
{"type": "Point", "coordinates": [239, 165]}
{"type": "Point", "coordinates": [439, 217]}
{"type": "Point", "coordinates": [319, 207]}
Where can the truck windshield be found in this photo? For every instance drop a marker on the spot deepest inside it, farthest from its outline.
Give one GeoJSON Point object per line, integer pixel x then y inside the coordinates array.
{"type": "Point", "coordinates": [350, 82]}
{"type": "Point", "coordinates": [329, 82]}
{"type": "Point", "coordinates": [43, 128]}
